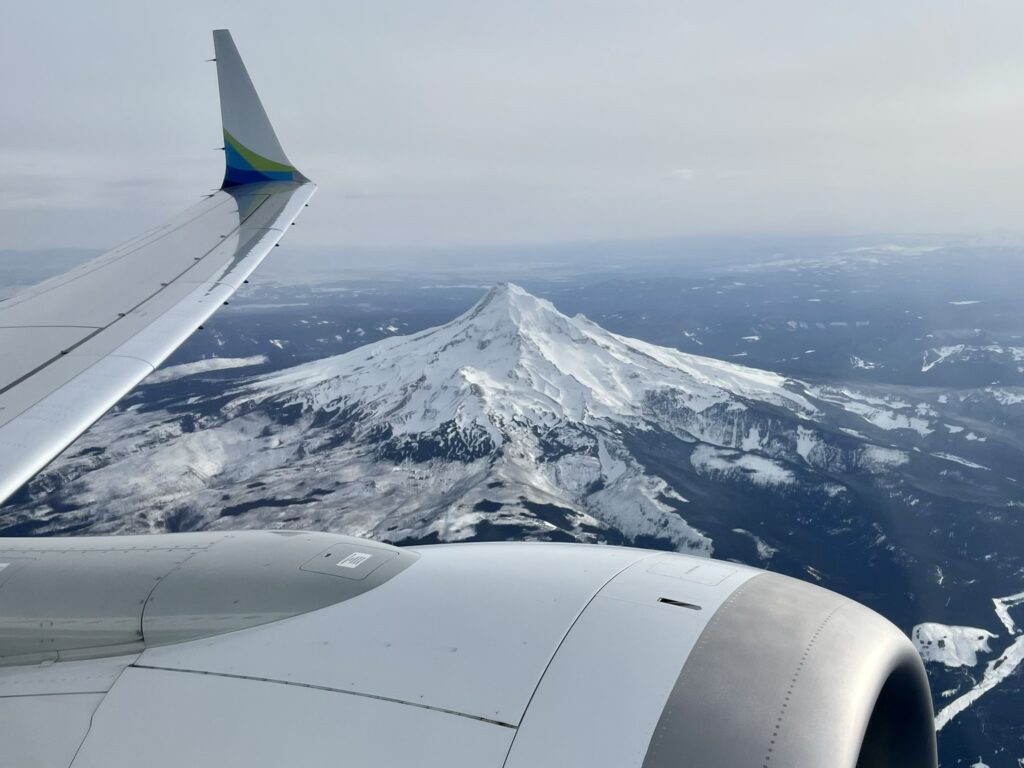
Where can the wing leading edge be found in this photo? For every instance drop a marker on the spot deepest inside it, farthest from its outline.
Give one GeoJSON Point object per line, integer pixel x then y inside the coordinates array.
{"type": "Point", "coordinates": [74, 345]}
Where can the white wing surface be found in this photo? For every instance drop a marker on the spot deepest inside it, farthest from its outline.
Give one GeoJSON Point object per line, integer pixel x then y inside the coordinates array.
{"type": "Point", "coordinates": [72, 346]}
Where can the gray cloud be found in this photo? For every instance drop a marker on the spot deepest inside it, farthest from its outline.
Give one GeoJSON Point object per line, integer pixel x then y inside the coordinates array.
{"type": "Point", "coordinates": [459, 122]}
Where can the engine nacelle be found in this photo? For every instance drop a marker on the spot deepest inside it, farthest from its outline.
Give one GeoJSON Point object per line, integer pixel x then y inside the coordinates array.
{"type": "Point", "coordinates": [146, 650]}
{"type": "Point", "coordinates": [789, 674]}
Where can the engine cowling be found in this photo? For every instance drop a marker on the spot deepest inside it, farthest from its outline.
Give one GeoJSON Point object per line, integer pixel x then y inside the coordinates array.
{"type": "Point", "coordinates": [788, 674]}
{"type": "Point", "coordinates": [519, 655]}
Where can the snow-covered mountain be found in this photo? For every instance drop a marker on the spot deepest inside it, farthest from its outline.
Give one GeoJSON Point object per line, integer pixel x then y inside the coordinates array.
{"type": "Point", "coordinates": [515, 360]}
{"type": "Point", "coordinates": [512, 420]}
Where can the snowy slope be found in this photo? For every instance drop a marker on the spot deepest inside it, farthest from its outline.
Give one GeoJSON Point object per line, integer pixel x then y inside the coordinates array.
{"type": "Point", "coordinates": [513, 359]}
{"type": "Point", "coordinates": [512, 420]}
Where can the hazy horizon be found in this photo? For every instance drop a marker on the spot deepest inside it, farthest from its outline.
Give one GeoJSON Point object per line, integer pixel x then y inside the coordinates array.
{"type": "Point", "coordinates": [460, 125]}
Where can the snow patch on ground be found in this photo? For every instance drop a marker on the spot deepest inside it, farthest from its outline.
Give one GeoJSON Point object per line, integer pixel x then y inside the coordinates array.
{"type": "Point", "coordinates": [806, 441]}
{"type": "Point", "coordinates": [884, 413]}
{"type": "Point", "coordinates": [612, 468]}
{"type": "Point", "coordinates": [967, 353]}
{"type": "Point", "coordinates": [1007, 396]}
{"type": "Point", "coordinates": [876, 458]}
{"type": "Point", "coordinates": [632, 506]}
{"type": "Point", "coordinates": [996, 671]}
{"type": "Point", "coordinates": [884, 418]}
{"type": "Point", "coordinates": [952, 646]}
{"type": "Point", "coordinates": [764, 550]}
{"type": "Point", "coordinates": [1002, 606]}
{"type": "Point", "coordinates": [959, 460]}
{"type": "Point", "coordinates": [940, 355]}
{"type": "Point", "coordinates": [174, 372]}
{"type": "Point", "coordinates": [758, 470]}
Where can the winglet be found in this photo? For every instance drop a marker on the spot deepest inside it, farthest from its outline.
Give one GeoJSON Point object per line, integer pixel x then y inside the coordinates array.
{"type": "Point", "coordinates": [251, 149]}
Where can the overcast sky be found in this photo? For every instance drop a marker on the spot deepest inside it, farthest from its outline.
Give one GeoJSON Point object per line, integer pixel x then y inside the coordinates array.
{"type": "Point", "coordinates": [450, 122]}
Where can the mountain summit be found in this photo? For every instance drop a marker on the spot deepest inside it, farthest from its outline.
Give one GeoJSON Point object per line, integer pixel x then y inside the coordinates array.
{"type": "Point", "coordinates": [514, 360]}
{"type": "Point", "coordinates": [513, 420]}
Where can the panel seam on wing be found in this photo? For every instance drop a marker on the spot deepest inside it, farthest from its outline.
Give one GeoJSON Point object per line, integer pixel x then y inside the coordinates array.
{"type": "Point", "coordinates": [54, 693]}
{"type": "Point", "coordinates": [92, 715]}
{"type": "Point", "coordinates": [314, 687]}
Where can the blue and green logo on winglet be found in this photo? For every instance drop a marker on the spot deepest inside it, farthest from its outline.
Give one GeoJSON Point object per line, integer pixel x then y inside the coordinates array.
{"type": "Point", "coordinates": [243, 166]}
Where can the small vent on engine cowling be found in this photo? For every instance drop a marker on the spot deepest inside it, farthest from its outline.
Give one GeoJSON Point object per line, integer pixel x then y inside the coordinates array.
{"type": "Point", "coordinates": [678, 603]}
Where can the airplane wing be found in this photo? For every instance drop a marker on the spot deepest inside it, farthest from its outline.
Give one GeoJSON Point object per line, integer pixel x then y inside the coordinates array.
{"type": "Point", "coordinates": [73, 346]}
{"type": "Point", "coordinates": [273, 648]}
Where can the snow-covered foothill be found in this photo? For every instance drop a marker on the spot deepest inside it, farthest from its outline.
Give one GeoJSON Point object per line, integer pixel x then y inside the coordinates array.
{"type": "Point", "coordinates": [952, 646]}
